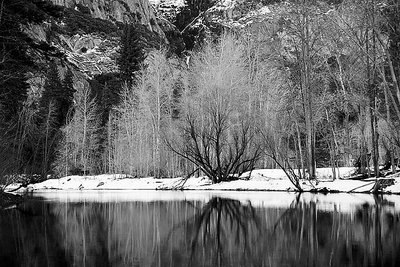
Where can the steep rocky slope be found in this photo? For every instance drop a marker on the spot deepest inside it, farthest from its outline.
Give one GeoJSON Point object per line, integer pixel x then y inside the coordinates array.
{"type": "Point", "coordinates": [84, 36]}
{"type": "Point", "coordinates": [51, 52]}
{"type": "Point", "coordinates": [136, 11]}
{"type": "Point", "coordinates": [229, 13]}
{"type": "Point", "coordinates": [167, 8]}
{"type": "Point", "coordinates": [196, 21]}
{"type": "Point", "coordinates": [238, 13]}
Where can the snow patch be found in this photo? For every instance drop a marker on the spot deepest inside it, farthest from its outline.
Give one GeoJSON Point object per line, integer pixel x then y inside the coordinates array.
{"type": "Point", "coordinates": [264, 10]}
{"type": "Point", "coordinates": [260, 180]}
{"type": "Point", "coordinates": [177, 3]}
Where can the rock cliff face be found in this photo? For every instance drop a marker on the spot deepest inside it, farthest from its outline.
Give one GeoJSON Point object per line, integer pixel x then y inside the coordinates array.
{"type": "Point", "coordinates": [226, 13]}
{"type": "Point", "coordinates": [237, 13]}
{"type": "Point", "coordinates": [86, 38]}
{"type": "Point", "coordinates": [167, 9]}
{"type": "Point", "coordinates": [137, 11]}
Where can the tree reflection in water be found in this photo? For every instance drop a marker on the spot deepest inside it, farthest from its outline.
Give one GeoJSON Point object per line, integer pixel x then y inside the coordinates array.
{"type": "Point", "coordinates": [306, 236]}
{"type": "Point", "coordinates": [223, 227]}
{"type": "Point", "coordinates": [219, 232]}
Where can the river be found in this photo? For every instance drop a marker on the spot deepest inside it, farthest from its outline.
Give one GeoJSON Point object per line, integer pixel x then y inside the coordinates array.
{"type": "Point", "coordinates": [201, 228]}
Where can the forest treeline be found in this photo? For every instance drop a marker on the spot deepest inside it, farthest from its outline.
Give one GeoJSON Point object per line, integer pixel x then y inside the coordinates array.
{"type": "Point", "coordinates": [316, 84]}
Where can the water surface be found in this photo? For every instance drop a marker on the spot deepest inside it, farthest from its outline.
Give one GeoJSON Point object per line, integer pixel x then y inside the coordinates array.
{"type": "Point", "coordinates": [153, 228]}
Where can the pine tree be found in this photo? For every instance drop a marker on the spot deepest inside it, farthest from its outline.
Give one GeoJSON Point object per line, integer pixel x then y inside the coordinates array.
{"type": "Point", "coordinates": [106, 89]}
{"type": "Point", "coordinates": [135, 41]}
{"type": "Point", "coordinates": [58, 92]}
{"type": "Point", "coordinates": [52, 87]}
{"type": "Point", "coordinates": [67, 97]}
{"type": "Point", "coordinates": [131, 53]}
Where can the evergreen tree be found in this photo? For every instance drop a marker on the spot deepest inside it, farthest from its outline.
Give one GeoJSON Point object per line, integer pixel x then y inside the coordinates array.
{"type": "Point", "coordinates": [135, 41]}
{"type": "Point", "coordinates": [131, 53]}
{"type": "Point", "coordinates": [58, 92]}
{"type": "Point", "coordinates": [53, 86]}
{"type": "Point", "coordinates": [106, 88]}
{"type": "Point", "coordinates": [67, 96]}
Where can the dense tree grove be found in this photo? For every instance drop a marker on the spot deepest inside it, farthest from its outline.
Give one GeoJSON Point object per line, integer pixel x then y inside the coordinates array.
{"type": "Point", "coordinates": [314, 85]}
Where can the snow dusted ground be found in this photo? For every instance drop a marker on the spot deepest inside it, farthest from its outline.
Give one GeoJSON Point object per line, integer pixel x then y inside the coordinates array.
{"type": "Point", "coordinates": [260, 180]}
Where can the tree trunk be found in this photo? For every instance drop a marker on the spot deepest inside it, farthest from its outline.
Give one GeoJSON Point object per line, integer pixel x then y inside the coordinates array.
{"type": "Point", "coordinates": [372, 87]}
{"type": "Point", "coordinates": [307, 94]}
{"type": "Point", "coordinates": [363, 147]}
{"type": "Point", "coordinates": [374, 135]}
{"type": "Point", "coordinates": [347, 115]}
{"type": "Point", "coordinates": [388, 121]}
{"type": "Point", "coordinates": [303, 174]}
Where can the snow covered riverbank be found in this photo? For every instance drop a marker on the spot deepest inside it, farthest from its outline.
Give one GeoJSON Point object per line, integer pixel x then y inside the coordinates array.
{"type": "Point", "coordinates": [260, 180]}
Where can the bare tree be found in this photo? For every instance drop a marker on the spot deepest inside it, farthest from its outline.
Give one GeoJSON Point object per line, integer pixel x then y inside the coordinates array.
{"type": "Point", "coordinates": [159, 75]}
{"type": "Point", "coordinates": [142, 118]}
{"type": "Point", "coordinates": [80, 140]}
{"type": "Point", "coordinates": [270, 149]}
{"type": "Point", "coordinates": [359, 25]}
{"type": "Point", "coordinates": [218, 130]}
{"type": "Point", "coordinates": [219, 158]}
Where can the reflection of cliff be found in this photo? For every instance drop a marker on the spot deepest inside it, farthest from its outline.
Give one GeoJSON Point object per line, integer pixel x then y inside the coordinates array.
{"type": "Point", "coordinates": [220, 232]}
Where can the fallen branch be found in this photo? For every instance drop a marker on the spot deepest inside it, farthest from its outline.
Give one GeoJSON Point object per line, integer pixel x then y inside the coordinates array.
{"type": "Point", "coordinates": [183, 181]}
{"type": "Point", "coordinates": [360, 187]}
{"type": "Point", "coordinates": [15, 189]}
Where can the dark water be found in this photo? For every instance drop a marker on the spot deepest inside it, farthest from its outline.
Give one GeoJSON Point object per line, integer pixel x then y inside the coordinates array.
{"type": "Point", "coordinates": [201, 229]}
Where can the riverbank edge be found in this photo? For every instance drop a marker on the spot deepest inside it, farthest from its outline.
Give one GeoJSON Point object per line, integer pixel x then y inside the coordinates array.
{"type": "Point", "coordinates": [321, 191]}
{"type": "Point", "coordinates": [268, 180]}
{"type": "Point", "coordinates": [196, 184]}
{"type": "Point", "coordinates": [17, 198]}
{"type": "Point", "coordinates": [210, 190]}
